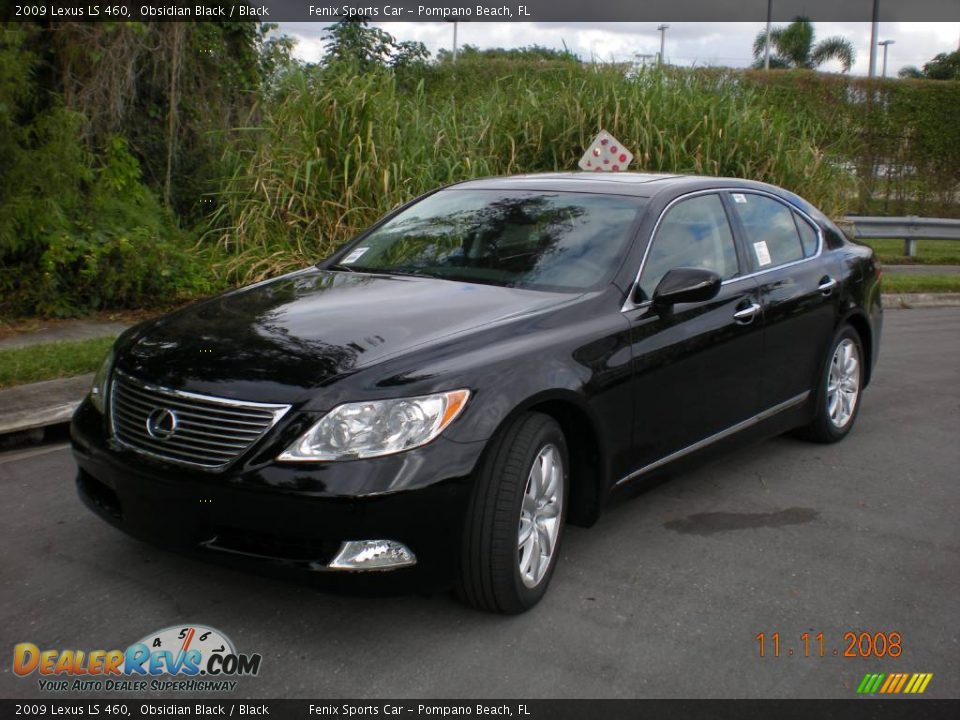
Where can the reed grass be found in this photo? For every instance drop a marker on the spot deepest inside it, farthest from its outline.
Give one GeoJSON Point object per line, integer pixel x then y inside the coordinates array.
{"type": "Point", "coordinates": [336, 149]}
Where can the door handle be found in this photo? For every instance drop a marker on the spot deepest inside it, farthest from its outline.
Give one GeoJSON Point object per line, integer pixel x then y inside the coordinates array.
{"type": "Point", "coordinates": [746, 316]}
{"type": "Point", "coordinates": [827, 284]}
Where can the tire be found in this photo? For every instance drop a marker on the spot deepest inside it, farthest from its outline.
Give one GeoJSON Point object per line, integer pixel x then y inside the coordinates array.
{"type": "Point", "coordinates": [490, 575]}
{"type": "Point", "coordinates": [833, 422]}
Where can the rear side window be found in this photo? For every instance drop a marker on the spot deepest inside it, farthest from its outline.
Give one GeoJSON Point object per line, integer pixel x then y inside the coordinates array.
{"type": "Point", "coordinates": [694, 233]}
{"type": "Point", "coordinates": [808, 236]}
{"type": "Point", "coordinates": [772, 235]}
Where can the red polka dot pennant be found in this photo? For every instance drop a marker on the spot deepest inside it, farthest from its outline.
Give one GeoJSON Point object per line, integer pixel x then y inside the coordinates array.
{"type": "Point", "coordinates": [606, 154]}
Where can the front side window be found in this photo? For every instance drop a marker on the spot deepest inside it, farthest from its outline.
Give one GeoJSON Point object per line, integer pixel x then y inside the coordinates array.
{"type": "Point", "coordinates": [539, 240]}
{"type": "Point", "coordinates": [771, 232]}
{"type": "Point", "coordinates": [693, 233]}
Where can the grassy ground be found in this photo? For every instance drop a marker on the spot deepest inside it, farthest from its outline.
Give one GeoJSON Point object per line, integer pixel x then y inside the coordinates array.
{"type": "Point", "coordinates": [51, 360]}
{"type": "Point", "coordinates": [920, 283]}
{"type": "Point", "coordinates": [929, 252]}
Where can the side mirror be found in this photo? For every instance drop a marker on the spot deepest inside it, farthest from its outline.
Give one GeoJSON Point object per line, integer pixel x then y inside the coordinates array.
{"type": "Point", "coordinates": [686, 285]}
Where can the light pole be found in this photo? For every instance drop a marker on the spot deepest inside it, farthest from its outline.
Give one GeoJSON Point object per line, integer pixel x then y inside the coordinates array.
{"type": "Point", "coordinates": [873, 38]}
{"type": "Point", "coordinates": [454, 41]}
{"type": "Point", "coordinates": [886, 44]}
{"type": "Point", "coordinates": [663, 39]}
{"type": "Point", "coordinates": [766, 49]}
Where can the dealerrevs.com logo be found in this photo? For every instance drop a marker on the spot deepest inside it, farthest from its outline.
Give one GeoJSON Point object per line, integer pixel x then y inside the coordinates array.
{"type": "Point", "coordinates": [187, 658]}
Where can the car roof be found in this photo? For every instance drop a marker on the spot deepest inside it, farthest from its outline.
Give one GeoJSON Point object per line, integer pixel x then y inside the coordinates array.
{"type": "Point", "coordinates": [610, 183]}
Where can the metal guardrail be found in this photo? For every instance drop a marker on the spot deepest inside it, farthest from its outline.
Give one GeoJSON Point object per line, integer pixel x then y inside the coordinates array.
{"type": "Point", "coordinates": [909, 229]}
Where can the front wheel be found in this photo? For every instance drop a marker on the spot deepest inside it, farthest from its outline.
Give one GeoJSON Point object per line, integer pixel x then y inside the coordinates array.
{"type": "Point", "coordinates": [838, 392]}
{"type": "Point", "coordinates": [515, 519]}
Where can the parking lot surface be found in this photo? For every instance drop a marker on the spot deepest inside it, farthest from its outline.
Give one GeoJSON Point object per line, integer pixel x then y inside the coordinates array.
{"type": "Point", "coordinates": [664, 597]}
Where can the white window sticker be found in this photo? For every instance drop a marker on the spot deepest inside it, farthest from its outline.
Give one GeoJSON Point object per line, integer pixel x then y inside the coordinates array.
{"type": "Point", "coordinates": [739, 198]}
{"type": "Point", "coordinates": [763, 255]}
{"type": "Point", "coordinates": [355, 255]}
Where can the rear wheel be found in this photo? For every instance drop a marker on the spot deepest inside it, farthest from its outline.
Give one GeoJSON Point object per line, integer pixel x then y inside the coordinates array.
{"type": "Point", "coordinates": [838, 393]}
{"type": "Point", "coordinates": [515, 520]}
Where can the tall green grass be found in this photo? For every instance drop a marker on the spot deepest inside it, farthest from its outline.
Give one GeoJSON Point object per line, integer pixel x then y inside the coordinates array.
{"type": "Point", "coordinates": [336, 149]}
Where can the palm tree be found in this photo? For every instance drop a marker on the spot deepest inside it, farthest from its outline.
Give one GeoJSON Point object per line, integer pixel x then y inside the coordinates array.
{"type": "Point", "coordinates": [792, 47]}
{"type": "Point", "coordinates": [945, 66]}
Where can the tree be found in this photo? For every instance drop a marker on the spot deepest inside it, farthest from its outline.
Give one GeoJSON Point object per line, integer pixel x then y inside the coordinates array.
{"type": "Point", "coordinates": [945, 66]}
{"type": "Point", "coordinates": [170, 89]}
{"type": "Point", "coordinates": [792, 47]}
{"type": "Point", "coordinates": [276, 56]}
{"type": "Point", "coordinates": [531, 52]}
{"type": "Point", "coordinates": [355, 42]}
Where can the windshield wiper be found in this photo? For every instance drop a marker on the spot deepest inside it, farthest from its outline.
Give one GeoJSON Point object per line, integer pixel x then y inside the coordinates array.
{"type": "Point", "coordinates": [407, 271]}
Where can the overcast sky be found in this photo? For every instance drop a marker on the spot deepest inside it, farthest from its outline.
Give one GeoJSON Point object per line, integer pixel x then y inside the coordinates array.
{"type": "Point", "coordinates": [690, 43]}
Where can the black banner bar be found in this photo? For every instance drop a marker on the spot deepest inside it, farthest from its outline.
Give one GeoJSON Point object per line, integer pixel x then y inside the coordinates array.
{"type": "Point", "coordinates": [481, 10]}
{"type": "Point", "coordinates": [853, 709]}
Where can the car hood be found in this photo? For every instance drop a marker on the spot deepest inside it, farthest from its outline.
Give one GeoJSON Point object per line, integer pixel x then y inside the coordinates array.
{"type": "Point", "coordinates": [273, 341]}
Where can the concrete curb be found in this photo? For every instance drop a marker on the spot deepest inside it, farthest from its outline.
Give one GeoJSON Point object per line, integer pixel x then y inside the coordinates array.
{"type": "Point", "coordinates": [42, 404]}
{"type": "Point", "coordinates": [906, 301]}
{"type": "Point", "coordinates": [921, 269]}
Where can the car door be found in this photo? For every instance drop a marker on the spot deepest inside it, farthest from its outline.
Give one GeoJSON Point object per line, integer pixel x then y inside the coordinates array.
{"type": "Point", "coordinates": [696, 366]}
{"type": "Point", "coordinates": [797, 281]}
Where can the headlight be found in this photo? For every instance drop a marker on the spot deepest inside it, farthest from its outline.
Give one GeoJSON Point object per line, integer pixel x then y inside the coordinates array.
{"type": "Point", "coordinates": [98, 392]}
{"type": "Point", "coordinates": [379, 427]}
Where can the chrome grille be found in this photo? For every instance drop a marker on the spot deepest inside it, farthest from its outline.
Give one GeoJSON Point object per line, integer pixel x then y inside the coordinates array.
{"type": "Point", "coordinates": [206, 432]}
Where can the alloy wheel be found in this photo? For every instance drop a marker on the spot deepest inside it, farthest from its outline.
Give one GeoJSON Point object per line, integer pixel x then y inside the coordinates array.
{"type": "Point", "coordinates": [843, 384]}
{"type": "Point", "coordinates": [540, 514]}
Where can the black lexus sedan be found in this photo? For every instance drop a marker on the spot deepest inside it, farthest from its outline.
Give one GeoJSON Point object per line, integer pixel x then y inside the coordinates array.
{"type": "Point", "coordinates": [484, 364]}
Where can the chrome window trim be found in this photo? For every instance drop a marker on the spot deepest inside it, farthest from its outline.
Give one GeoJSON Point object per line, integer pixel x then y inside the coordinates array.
{"type": "Point", "coordinates": [629, 305]}
{"type": "Point", "coordinates": [700, 444]}
{"type": "Point", "coordinates": [278, 412]}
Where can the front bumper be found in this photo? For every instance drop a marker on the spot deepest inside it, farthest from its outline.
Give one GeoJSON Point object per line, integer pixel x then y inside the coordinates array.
{"type": "Point", "coordinates": [285, 519]}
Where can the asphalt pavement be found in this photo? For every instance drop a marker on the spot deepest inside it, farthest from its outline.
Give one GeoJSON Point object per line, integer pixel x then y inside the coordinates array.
{"type": "Point", "coordinates": [664, 597]}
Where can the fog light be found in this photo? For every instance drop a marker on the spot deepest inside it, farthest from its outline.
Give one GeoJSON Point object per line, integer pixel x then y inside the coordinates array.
{"type": "Point", "coordinates": [372, 555]}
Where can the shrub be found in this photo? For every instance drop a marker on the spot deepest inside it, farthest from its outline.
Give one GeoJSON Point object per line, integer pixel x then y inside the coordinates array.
{"type": "Point", "coordinates": [902, 136]}
{"type": "Point", "coordinates": [79, 228]}
{"type": "Point", "coordinates": [77, 236]}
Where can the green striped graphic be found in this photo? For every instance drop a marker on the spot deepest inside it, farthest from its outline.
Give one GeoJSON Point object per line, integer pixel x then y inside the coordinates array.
{"type": "Point", "coordinates": [871, 683]}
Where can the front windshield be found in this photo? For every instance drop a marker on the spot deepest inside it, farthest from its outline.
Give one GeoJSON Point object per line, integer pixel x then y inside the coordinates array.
{"type": "Point", "coordinates": [539, 240]}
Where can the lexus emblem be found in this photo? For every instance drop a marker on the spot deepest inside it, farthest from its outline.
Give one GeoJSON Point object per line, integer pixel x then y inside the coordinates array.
{"type": "Point", "coordinates": [161, 424]}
